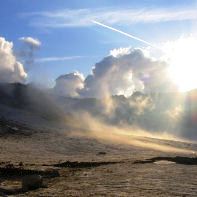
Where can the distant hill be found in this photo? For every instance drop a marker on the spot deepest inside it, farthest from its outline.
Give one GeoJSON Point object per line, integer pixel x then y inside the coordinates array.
{"type": "Point", "coordinates": [29, 98]}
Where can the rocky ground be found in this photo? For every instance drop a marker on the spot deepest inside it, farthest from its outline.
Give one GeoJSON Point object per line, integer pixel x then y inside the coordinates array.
{"type": "Point", "coordinates": [83, 166]}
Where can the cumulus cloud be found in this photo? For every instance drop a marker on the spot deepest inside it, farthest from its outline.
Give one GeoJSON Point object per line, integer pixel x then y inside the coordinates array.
{"type": "Point", "coordinates": [69, 84]}
{"type": "Point", "coordinates": [11, 70]}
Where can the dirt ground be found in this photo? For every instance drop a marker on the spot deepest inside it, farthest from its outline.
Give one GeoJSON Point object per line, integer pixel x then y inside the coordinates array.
{"type": "Point", "coordinates": [107, 169]}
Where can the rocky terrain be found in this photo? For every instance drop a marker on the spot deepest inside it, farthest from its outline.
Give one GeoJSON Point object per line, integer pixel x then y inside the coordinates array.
{"type": "Point", "coordinates": [82, 166]}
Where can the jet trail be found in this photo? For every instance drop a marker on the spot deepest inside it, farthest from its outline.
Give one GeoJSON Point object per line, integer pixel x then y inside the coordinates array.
{"type": "Point", "coordinates": [124, 33]}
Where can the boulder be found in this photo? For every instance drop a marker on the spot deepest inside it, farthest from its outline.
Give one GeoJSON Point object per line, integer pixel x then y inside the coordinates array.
{"type": "Point", "coordinates": [31, 182]}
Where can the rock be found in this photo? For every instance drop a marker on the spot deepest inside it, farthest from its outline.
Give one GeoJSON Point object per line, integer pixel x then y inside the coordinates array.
{"type": "Point", "coordinates": [31, 182]}
{"type": "Point", "coordinates": [101, 153]}
{"type": "Point", "coordinates": [21, 164]}
{"type": "Point", "coordinates": [51, 173]}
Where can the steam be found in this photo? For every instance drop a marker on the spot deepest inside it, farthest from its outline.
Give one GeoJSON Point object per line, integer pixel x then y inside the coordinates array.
{"type": "Point", "coordinates": [110, 77]}
{"type": "Point", "coordinates": [125, 71]}
{"type": "Point", "coordinates": [11, 70]}
{"type": "Point", "coordinates": [32, 42]}
{"type": "Point", "coordinates": [133, 136]}
{"type": "Point", "coordinates": [27, 53]}
{"type": "Point", "coordinates": [69, 84]}
{"type": "Point", "coordinates": [129, 89]}
{"type": "Point", "coordinates": [127, 95]}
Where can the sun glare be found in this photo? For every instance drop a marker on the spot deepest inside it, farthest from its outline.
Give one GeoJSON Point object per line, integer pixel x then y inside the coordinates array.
{"type": "Point", "coordinates": [182, 55]}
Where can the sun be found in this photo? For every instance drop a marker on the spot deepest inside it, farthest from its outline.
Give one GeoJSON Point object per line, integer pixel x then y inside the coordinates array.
{"type": "Point", "coordinates": [182, 55]}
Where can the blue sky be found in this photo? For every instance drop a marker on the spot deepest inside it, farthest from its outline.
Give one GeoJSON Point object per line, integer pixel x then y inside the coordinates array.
{"type": "Point", "coordinates": [65, 28]}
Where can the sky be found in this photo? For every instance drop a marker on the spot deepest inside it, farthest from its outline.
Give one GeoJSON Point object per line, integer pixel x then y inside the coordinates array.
{"type": "Point", "coordinates": [70, 41]}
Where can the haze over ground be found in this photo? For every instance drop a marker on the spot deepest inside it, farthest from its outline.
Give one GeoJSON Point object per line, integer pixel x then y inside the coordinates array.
{"type": "Point", "coordinates": [98, 98]}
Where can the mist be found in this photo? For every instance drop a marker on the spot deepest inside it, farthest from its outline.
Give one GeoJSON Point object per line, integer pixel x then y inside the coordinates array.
{"type": "Point", "coordinates": [129, 88]}
{"type": "Point", "coordinates": [127, 95]}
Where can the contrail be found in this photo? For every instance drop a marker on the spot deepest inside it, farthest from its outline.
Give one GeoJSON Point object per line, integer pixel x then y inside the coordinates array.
{"type": "Point", "coordinates": [124, 33]}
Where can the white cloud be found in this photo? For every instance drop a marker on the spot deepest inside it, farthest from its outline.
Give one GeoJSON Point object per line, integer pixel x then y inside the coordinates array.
{"type": "Point", "coordinates": [84, 17]}
{"type": "Point", "coordinates": [123, 72]}
{"type": "Point", "coordinates": [69, 84]}
{"type": "Point", "coordinates": [33, 42]}
{"type": "Point", "coordinates": [118, 52]}
{"type": "Point", "coordinates": [11, 70]}
{"type": "Point", "coordinates": [128, 70]}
